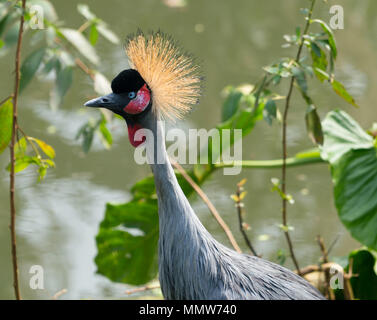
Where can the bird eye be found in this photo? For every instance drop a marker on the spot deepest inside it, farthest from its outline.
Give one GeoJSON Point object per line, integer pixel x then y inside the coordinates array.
{"type": "Point", "coordinates": [131, 94]}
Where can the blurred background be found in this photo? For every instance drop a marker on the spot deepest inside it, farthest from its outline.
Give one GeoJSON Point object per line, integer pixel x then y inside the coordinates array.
{"type": "Point", "coordinates": [58, 219]}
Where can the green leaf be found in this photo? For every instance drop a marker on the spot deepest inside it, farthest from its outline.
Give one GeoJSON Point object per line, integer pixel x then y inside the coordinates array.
{"type": "Point", "coordinates": [330, 35]}
{"type": "Point", "coordinates": [316, 50]}
{"type": "Point", "coordinates": [42, 170]}
{"type": "Point", "coordinates": [355, 189]}
{"type": "Point", "coordinates": [299, 75]}
{"type": "Point", "coordinates": [87, 134]}
{"type": "Point", "coordinates": [81, 44]}
{"type": "Point", "coordinates": [11, 36]}
{"type": "Point", "coordinates": [127, 242]}
{"type": "Point", "coordinates": [63, 82]}
{"type": "Point", "coordinates": [47, 149]}
{"type": "Point", "coordinates": [107, 33]}
{"type": "Point", "coordinates": [105, 134]}
{"type": "Point", "coordinates": [341, 91]}
{"type": "Point", "coordinates": [93, 35]}
{"type": "Point", "coordinates": [6, 123]}
{"type": "Point", "coordinates": [84, 10]}
{"type": "Point", "coordinates": [342, 134]}
{"type": "Point", "coordinates": [319, 61]}
{"type": "Point", "coordinates": [353, 160]}
{"type": "Point", "coordinates": [20, 148]}
{"type": "Point", "coordinates": [101, 84]}
{"type": "Point", "coordinates": [269, 111]}
{"type": "Point", "coordinates": [23, 162]}
{"type": "Point", "coordinates": [313, 125]}
{"type": "Point", "coordinates": [231, 103]}
{"type": "Point", "coordinates": [30, 67]}
{"type": "Point", "coordinates": [364, 265]}
{"type": "Point", "coordinates": [3, 23]}
{"type": "Point", "coordinates": [48, 9]}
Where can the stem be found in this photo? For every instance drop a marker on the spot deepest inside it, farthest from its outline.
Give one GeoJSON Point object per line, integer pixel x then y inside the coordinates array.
{"type": "Point", "coordinates": [12, 157]}
{"type": "Point", "coordinates": [329, 293]}
{"type": "Point", "coordinates": [270, 164]}
{"type": "Point", "coordinates": [209, 204]}
{"type": "Point", "coordinates": [239, 206]}
{"type": "Point", "coordinates": [145, 288]}
{"type": "Point", "coordinates": [284, 143]}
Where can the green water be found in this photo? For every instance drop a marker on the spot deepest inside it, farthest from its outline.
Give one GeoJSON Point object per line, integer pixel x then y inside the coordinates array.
{"type": "Point", "coordinates": [58, 219]}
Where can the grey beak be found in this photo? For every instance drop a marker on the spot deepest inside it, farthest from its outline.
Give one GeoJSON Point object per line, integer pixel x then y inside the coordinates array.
{"type": "Point", "coordinates": [101, 102]}
{"type": "Point", "coordinates": [112, 101]}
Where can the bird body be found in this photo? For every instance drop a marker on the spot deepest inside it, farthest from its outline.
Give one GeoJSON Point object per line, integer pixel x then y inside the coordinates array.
{"type": "Point", "coordinates": [192, 264]}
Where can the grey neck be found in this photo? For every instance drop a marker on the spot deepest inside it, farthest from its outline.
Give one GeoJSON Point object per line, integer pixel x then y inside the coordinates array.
{"type": "Point", "coordinates": [181, 233]}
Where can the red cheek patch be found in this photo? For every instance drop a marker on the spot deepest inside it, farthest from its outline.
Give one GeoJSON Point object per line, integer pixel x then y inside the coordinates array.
{"type": "Point", "coordinates": [131, 134]}
{"type": "Point", "coordinates": [141, 101]}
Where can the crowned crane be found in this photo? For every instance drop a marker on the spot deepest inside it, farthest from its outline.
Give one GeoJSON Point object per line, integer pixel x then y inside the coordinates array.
{"type": "Point", "coordinates": [164, 82]}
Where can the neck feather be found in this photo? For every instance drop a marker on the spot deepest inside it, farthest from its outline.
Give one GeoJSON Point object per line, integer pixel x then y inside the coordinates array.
{"type": "Point", "coordinates": [181, 232]}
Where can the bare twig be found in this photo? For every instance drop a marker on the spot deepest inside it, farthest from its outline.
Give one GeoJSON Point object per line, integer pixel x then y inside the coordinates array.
{"type": "Point", "coordinates": [329, 293]}
{"type": "Point", "coordinates": [239, 206]}
{"type": "Point", "coordinates": [284, 143]}
{"type": "Point", "coordinates": [209, 204]}
{"type": "Point", "coordinates": [12, 156]}
{"type": "Point", "coordinates": [348, 291]}
{"type": "Point", "coordinates": [145, 288]}
{"type": "Point", "coordinates": [59, 293]}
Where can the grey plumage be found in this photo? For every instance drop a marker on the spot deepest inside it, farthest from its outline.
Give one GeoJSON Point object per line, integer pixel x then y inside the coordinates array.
{"type": "Point", "coordinates": [192, 264]}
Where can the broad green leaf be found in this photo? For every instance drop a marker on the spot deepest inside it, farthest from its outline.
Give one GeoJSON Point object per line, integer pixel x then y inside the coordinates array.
{"type": "Point", "coordinates": [342, 134]}
{"type": "Point", "coordinates": [6, 123]}
{"type": "Point", "coordinates": [63, 82]}
{"type": "Point", "coordinates": [353, 159]}
{"type": "Point", "coordinates": [364, 266]}
{"type": "Point", "coordinates": [127, 242]}
{"type": "Point", "coordinates": [341, 91]}
{"type": "Point", "coordinates": [30, 67]}
{"type": "Point", "coordinates": [47, 149]}
{"type": "Point", "coordinates": [355, 188]}
{"type": "Point", "coordinates": [269, 111]}
{"type": "Point", "coordinates": [313, 125]}
{"type": "Point", "coordinates": [81, 44]}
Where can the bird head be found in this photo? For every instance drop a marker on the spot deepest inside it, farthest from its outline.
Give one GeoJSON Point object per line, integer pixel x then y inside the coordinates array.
{"type": "Point", "coordinates": [164, 81]}
{"type": "Point", "coordinates": [131, 98]}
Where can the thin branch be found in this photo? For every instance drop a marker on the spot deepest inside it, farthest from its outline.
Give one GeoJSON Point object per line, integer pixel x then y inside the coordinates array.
{"type": "Point", "coordinates": [145, 288]}
{"type": "Point", "coordinates": [270, 164]}
{"type": "Point", "coordinates": [59, 293]}
{"type": "Point", "coordinates": [329, 293]}
{"type": "Point", "coordinates": [12, 156]}
{"type": "Point", "coordinates": [284, 143]}
{"type": "Point", "coordinates": [209, 204]}
{"type": "Point", "coordinates": [239, 206]}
